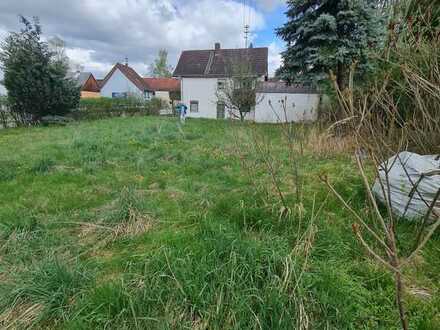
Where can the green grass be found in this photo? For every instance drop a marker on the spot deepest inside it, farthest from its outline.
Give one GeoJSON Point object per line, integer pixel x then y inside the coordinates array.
{"type": "Point", "coordinates": [136, 223]}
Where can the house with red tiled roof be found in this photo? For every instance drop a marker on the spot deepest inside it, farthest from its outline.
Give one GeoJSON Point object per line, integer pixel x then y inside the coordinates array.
{"type": "Point", "coordinates": [123, 81]}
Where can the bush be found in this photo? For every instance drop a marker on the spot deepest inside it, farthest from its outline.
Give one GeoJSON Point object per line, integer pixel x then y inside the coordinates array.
{"type": "Point", "coordinates": [397, 107]}
{"type": "Point", "coordinates": [42, 90]}
{"type": "Point", "coordinates": [99, 108]}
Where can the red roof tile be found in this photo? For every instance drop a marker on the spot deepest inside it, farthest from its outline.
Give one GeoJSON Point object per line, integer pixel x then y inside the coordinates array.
{"type": "Point", "coordinates": [163, 84]}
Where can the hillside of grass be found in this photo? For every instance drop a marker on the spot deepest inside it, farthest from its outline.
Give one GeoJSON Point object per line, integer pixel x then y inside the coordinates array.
{"type": "Point", "coordinates": [138, 223]}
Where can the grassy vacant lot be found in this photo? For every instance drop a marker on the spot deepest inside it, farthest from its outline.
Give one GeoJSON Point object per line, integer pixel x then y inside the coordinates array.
{"type": "Point", "coordinates": [133, 223]}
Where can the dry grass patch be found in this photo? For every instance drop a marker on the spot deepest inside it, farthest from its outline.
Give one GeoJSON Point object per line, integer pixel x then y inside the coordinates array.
{"type": "Point", "coordinates": [20, 316]}
{"type": "Point", "coordinates": [102, 234]}
{"type": "Point", "coordinates": [324, 143]}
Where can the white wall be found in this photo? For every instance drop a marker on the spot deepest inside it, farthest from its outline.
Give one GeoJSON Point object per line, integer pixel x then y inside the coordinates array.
{"type": "Point", "coordinates": [119, 83]}
{"type": "Point", "coordinates": [202, 90]}
{"type": "Point", "coordinates": [299, 107]}
{"type": "Point", "coordinates": [163, 95]}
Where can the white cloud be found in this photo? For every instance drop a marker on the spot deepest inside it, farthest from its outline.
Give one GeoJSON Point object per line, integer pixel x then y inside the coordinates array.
{"type": "Point", "coordinates": [99, 33]}
{"type": "Point", "coordinates": [83, 58]}
{"type": "Point", "coordinates": [274, 57]}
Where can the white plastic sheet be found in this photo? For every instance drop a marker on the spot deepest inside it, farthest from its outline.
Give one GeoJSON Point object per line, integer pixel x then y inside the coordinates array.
{"type": "Point", "coordinates": [413, 180]}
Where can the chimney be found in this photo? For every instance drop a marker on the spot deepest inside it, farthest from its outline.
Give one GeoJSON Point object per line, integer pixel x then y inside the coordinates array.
{"type": "Point", "coordinates": [126, 61]}
{"type": "Point", "coordinates": [217, 46]}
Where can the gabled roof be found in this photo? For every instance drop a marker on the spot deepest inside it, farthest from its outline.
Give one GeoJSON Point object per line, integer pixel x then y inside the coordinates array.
{"type": "Point", "coordinates": [86, 81]}
{"type": "Point", "coordinates": [131, 75]}
{"type": "Point", "coordinates": [163, 84]}
{"type": "Point", "coordinates": [83, 77]}
{"type": "Point", "coordinates": [214, 62]}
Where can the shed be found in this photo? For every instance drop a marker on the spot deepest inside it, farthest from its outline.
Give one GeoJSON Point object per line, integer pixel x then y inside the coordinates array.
{"type": "Point", "coordinates": [278, 102]}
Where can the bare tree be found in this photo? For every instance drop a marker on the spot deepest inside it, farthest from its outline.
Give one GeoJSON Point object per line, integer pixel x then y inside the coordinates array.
{"type": "Point", "coordinates": [238, 92]}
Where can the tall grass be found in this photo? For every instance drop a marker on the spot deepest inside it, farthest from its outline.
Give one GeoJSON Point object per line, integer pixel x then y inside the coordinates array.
{"type": "Point", "coordinates": [48, 290]}
{"type": "Point", "coordinates": [214, 252]}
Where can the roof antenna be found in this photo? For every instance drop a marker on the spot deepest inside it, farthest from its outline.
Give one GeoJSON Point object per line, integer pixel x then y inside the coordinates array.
{"type": "Point", "coordinates": [247, 19]}
{"type": "Point", "coordinates": [246, 35]}
{"type": "Point", "coordinates": [126, 61]}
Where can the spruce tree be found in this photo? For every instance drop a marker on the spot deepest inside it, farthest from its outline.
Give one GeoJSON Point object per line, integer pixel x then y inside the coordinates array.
{"type": "Point", "coordinates": [324, 35]}
{"type": "Point", "coordinates": [36, 80]}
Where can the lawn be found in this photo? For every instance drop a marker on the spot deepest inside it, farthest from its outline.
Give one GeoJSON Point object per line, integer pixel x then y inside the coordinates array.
{"type": "Point", "coordinates": [136, 223]}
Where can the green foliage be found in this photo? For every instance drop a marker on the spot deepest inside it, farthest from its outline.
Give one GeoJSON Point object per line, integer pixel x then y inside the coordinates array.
{"type": "Point", "coordinates": [160, 67]}
{"type": "Point", "coordinates": [423, 18]}
{"type": "Point", "coordinates": [99, 108]}
{"type": "Point", "coordinates": [42, 165]}
{"type": "Point", "coordinates": [33, 76]}
{"type": "Point", "coordinates": [328, 35]}
{"type": "Point", "coordinates": [404, 87]}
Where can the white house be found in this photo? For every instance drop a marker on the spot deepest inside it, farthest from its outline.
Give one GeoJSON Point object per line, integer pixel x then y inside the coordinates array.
{"type": "Point", "coordinates": [123, 81]}
{"type": "Point", "coordinates": [203, 72]}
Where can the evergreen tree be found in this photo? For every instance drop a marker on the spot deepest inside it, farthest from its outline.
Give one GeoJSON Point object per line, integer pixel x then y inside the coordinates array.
{"type": "Point", "coordinates": [324, 35]}
{"type": "Point", "coordinates": [34, 76]}
{"type": "Point", "coordinates": [160, 67]}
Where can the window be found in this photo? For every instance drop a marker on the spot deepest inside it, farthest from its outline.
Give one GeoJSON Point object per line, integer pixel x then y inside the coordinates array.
{"type": "Point", "coordinates": [221, 83]}
{"type": "Point", "coordinates": [194, 106]}
{"type": "Point", "coordinates": [116, 95]}
{"type": "Point", "coordinates": [148, 95]}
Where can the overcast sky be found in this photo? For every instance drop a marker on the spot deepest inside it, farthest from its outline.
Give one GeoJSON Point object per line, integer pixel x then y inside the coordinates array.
{"type": "Point", "coordinates": [99, 33]}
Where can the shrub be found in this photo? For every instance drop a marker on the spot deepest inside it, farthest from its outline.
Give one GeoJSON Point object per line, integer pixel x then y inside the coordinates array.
{"type": "Point", "coordinates": [42, 90]}
{"type": "Point", "coordinates": [99, 108]}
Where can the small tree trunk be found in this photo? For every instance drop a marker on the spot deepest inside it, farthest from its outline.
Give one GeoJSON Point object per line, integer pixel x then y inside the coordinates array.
{"type": "Point", "coordinates": [342, 76]}
{"type": "Point", "coordinates": [399, 292]}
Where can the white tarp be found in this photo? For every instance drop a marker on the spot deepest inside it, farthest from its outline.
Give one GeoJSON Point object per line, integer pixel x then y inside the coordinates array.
{"type": "Point", "coordinates": [414, 181]}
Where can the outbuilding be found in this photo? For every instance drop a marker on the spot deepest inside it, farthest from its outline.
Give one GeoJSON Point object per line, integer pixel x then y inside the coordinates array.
{"type": "Point", "coordinates": [278, 102]}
